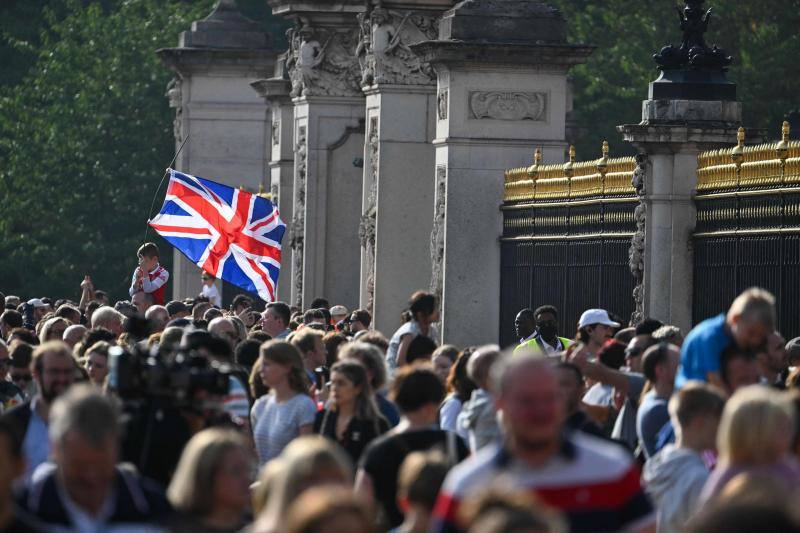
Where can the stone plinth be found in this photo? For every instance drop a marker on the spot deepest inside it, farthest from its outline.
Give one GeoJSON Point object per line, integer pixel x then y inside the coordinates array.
{"type": "Point", "coordinates": [215, 107]}
{"type": "Point", "coordinates": [327, 137]}
{"type": "Point", "coordinates": [500, 94]}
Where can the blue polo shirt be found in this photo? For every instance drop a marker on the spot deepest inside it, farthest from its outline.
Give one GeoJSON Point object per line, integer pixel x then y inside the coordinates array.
{"type": "Point", "coordinates": [702, 350]}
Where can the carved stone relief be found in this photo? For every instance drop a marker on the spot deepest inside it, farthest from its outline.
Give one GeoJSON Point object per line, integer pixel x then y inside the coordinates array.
{"type": "Point", "coordinates": [298, 218]}
{"type": "Point", "coordinates": [274, 190]}
{"type": "Point", "coordinates": [383, 50]}
{"type": "Point", "coordinates": [321, 61]}
{"type": "Point", "coordinates": [636, 252]}
{"type": "Point", "coordinates": [176, 102]}
{"type": "Point", "coordinates": [366, 229]}
{"type": "Point", "coordinates": [441, 103]}
{"type": "Point", "coordinates": [437, 233]}
{"type": "Point", "coordinates": [276, 133]}
{"type": "Point", "coordinates": [508, 105]}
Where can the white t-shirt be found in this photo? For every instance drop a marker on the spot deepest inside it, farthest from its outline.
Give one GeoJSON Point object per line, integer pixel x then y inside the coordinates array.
{"type": "Point", "coordinates": [448, 414]}
{"type": "Point", "coordinates": [212, 293]}
{"type": "Point", "coordinates": [275, 424]}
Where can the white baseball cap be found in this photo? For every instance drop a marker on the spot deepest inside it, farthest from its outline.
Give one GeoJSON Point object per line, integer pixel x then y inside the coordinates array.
{"type": "Point", "coordinates": [37, 302]}
{"type": "Point", "coordinates": [591, 317]}
{"type": "Point", "coordinates": [338, 310]}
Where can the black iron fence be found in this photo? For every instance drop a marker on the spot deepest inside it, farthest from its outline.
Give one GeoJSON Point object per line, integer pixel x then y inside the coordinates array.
{"type": "Point", "coordinates": [748, 228]}
{"type": "Point", "coordinates": [567, 232]}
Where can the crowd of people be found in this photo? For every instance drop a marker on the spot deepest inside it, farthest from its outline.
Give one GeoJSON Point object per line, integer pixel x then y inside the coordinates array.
{"type": "Point", "coordinates": [186, 416]}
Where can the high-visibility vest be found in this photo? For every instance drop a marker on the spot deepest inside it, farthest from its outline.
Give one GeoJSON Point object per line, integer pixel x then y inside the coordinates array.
{"type": "Point", "coordinates": [536, 345]}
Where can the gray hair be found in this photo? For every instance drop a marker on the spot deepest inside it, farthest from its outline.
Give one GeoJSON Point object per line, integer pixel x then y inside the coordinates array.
{"type": "Point", "coordinates": [480, 364]}
{"type": "Point", "coordinates": [370, 356]}
{"type": "Point", "coordinates": [103, 315]}
{"type": "Point", "coordinates": [85, 411]}
{"type": "Point", "coordinates": [667, 333]}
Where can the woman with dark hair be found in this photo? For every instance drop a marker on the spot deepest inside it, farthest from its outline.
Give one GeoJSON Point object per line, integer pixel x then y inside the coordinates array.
{"type": "Point", "coordinates": [287, 411]}
{"type": "Point", "coordinates": [422, 314]}
{"type": "Point", "coordinates": [351, 419]}
{"type": "Point", "coordinates": [460, 388]}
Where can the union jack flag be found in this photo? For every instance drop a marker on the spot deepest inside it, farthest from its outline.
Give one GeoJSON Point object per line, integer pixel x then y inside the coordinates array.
{"type": "Point", "coordinates": [231, 234]}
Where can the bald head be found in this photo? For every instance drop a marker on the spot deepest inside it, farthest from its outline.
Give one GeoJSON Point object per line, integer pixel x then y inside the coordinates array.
{"type": "Point", "coordinates": [224, 328]}
{"type": "Point", "coordinates": [73, 334]}
{"type": "Point", "coordinates": [158, 316]}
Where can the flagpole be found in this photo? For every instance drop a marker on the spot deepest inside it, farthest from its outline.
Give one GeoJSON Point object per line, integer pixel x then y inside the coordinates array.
{"type": "Point", "coordinates": [160, 183]}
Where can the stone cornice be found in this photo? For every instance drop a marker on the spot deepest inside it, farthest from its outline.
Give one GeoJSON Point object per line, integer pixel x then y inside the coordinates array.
{"type": "Point", "coordinates": [448, 52]}
{"type": "Point", "coordinates": [673, 138]}
{"type": "Point", "coordinates": [189, 60]}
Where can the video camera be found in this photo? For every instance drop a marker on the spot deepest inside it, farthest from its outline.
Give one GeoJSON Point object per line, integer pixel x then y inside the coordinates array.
{"type": "Point", "coordinates": [174, 378]}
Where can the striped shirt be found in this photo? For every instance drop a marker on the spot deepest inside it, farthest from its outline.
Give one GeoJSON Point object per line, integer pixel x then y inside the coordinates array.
{"type": "Point", "coordinates": [275, 424]}
{"type": "Point", "coordinates": [593, 482]}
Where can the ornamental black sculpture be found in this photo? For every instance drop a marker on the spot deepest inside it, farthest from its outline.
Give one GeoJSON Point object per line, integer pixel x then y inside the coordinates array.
{"type": "Point", "coordinates": [693, 53]}
{"type": "Point", "coordinates": [693, 71]}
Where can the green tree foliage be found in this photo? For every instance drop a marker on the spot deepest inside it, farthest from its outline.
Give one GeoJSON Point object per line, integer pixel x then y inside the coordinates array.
{"type": "Point", "coordinates": [761, 36]}
{"type": "Point", "coordinates": [84, 139]}
{"type": "Point", "coordinates": [85, 130]}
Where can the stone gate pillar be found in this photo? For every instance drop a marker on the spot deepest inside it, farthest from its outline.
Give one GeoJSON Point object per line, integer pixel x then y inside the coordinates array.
{"type": "Point", "coordinates": [226, 122]}
{"type": "Point", "coordinates": [502, 90]}
{"type": "Point", "coordinates": [328, 140]}
{"type": "Point", "coordinates": [690, 108]}
{"type": "Point", "coordinates": [280, 147]}
{"type": "Point", "coordinates": [398, 155]}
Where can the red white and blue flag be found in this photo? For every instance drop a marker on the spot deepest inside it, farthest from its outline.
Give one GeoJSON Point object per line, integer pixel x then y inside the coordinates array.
{"type": "Point", "coordinates": [231, 234]}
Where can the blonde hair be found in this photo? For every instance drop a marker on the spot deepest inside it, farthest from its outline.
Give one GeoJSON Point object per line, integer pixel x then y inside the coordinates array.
{"type": "Point", "coordinates": [754, 304]}
{"type": "Point", "coordinates": [45, 331]}
{"type": "Point", "coordinates": [262, 489]}
{"type": "Point", "coordinates": [191, 488]}
{"type": "Point", "coordinates": [753, 421]}
{"type": "Point", "coordinates": [314, 511]}
{"type": "Point", "coordinates": [302, 460]}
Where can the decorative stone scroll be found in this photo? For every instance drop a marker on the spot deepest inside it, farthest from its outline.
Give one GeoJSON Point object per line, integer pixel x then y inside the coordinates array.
{"type": "Point", "coordinates": [298, 218]}
{"type": "Point", "coordinates": [366, 229]}
{"type": "Point", "coordinates": [636, 252]}
{"type": "Point", "coordinates": [508, 105]}
{"type": "Point", "coordinates": [383, 50]}
{"type": "Point", "coordinates": [321, 62]}
{"type": "Point", "coordinates": [437, 233]}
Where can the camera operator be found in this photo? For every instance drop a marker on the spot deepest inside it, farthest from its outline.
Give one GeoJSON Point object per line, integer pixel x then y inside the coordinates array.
{"type": "Point", "coordinates": [168, 397]}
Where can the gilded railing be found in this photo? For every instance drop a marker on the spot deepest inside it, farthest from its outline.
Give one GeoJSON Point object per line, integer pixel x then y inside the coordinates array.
{"type": "Point", "coordinates": [572, 180]}
{"type": "Point", "coordinates": [763, 166]}
{"type": "Point", "coordinates": [749, 190]}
